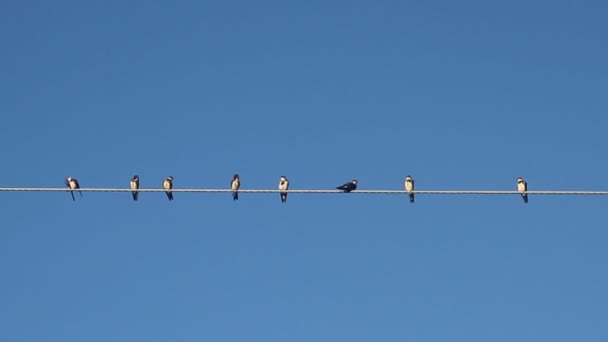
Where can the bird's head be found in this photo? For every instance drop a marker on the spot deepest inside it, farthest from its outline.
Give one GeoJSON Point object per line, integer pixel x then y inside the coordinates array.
{"type": "Point", "coordinates": [235, 177]}
{"type": "Point", "coordinates": [170, 178]}
{"type": "Point", "coordinates": [135, 178]}
{"type": "Point", "coordinates": [354, 181]}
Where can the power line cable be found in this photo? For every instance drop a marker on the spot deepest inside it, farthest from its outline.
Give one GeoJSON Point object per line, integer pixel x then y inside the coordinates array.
{"type": "Point", "coordinates": [322, 191]}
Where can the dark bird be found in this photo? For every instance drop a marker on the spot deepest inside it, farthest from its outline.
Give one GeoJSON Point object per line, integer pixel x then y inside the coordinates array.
{"type": "Point", "coordinates": [283, 186]}
{"type": "Point", "coordinates": [235, 185]}
{"type": "Point", "coordinates": [168, 185]}
{"type": "Point", "coordinates": [522, 187]}
{"type": "Point", "coordinates": [72, 184]}
{"type": "Point", "coordinates": [348, 187]}
{"type": "Point", "coordinates": [409, 187]}
{"type": "Point", "coordinates": [135, 187]}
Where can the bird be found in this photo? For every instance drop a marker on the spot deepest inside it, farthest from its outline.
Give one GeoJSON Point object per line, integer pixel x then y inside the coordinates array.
{"type": "Point", "coordinates": [72, 184]}
{"type": "Point", "coordinates": [283, 186]}
{"type": "Point", "coordinates": [135, 187]}
{"type": "Point", "coordinates": [409, 187]}
{"type": "Point", "coordinates": [168, 185]}
{"type": "Point", "coordinates": [522, 187]}
{"type": "Point", "coordinates": [235, 184]}
{"type": "Point", "coordinates": [348, 187]}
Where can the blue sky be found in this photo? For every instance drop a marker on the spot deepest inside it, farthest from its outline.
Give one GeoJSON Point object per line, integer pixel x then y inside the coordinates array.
{"type": "Point", "coordinates": [459, 94]}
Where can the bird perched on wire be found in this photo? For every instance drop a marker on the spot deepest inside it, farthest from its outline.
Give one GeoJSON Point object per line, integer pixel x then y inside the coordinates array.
{"type": "Point", "coordinates": [135, 186]}
{"type": "Point", "coordinates": [283, 186]}
{"type": "Point", "coordinates": [72, 184]}
{"type": "Point", "coordinates": [235, 185]}
{"type": "Point", "coordinates": [168, 185]}
{"type": "Point", "coordinates": [348, 187]}
{"type": "Point", "coordinates": [409, 187]}
{"type": "Point", "coordinates": [522, 187]}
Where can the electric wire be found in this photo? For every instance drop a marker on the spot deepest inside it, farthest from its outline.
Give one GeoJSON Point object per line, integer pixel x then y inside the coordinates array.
{"type": "Point", "coordinates": [321, 191]}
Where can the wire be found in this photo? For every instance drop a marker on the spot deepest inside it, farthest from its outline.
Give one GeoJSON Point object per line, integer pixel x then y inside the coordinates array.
{"type": "Point", "coordinates": [306, 191]}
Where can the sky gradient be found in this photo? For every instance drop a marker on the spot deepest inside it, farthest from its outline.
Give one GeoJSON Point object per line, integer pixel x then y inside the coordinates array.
{"type": "Point", "coordinates": [460, 95]}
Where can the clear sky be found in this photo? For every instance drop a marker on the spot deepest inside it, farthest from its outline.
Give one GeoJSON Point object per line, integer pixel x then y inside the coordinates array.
{"type": "Point", "coordinates": [459, 94]}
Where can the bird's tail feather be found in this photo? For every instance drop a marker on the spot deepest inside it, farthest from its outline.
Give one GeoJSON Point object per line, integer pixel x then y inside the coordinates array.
{"type": "Point", "coordinates": [73, 198]}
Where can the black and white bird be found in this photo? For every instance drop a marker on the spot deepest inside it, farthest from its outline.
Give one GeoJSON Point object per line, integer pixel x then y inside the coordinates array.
{"type": "Point", "coordinates": [283, 186]}
{"type": "Point", "coordinates": [348, 187]}
{"type": "Point", "coordinates": [168, 185]}
{"type": "Point", "coordinates": [235, 185]}
{"type": "Point", "coordinates": [72, 184]}
{"type": "Point", "coordinates": [409, 187]}
{"type": "Point", "coordinates": [522, 187]}
{"type": "Point", "coordinates": [135, 187]}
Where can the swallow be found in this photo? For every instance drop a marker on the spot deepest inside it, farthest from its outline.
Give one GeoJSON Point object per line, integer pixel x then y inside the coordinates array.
{"type": "Point", "coordinates": [135, 187]}
{"type": "Point", "coordinates": [522, 187]}
{"type": "Point", "coordinates": [348, 187]}
{"type": "Point", "coordinates": [409, 187]}
{"type": "Point", "coordinates": [168, 185]}
{"type": "Point", "coordinates": [72, 184]}
{"type": "Point", "coordinates": [283, 186]}
{"type": "Point", "coordinates": [235, 184]}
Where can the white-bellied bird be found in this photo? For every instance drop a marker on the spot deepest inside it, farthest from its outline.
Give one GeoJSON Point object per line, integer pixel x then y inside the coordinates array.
{"type": "Point", "coordinates": [409, 187]}
{"type": "Point", "coordinates": [135, 186]}
{"type": "Point", "coordinates": [522, 187]}
{"type": "Point", "coordinates": [283, 186]}
{"type": "Point", "coordinates": [235, 185]}
{"type": "Point", "coordinates": [72, 184]}
{"type": "Point", "coordinates": [168, 185]}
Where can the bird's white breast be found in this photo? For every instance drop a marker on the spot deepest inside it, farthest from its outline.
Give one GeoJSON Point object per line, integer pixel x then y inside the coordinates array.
{"type": "Point", "coordinates": [521, 187]}
{"type": "Point", "coordinates": [283, 185]}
